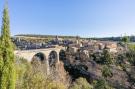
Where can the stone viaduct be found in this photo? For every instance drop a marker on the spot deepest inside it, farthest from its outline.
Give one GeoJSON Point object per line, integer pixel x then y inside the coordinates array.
{"type": "Point", "coordinates": [50, 55]}
{"type": "Point", "coordinates": [29, 54]}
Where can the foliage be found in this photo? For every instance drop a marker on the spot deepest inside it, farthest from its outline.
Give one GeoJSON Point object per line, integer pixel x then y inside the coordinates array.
{"type": "Point", "coordinates": [125, 39]}
{"type": "Point", "coordinates": [7, 69]}
{"type": "Point", "coordinates": [106, 71]}
{"type": "Point", "coordinates": [103, 58]}
{"type": "Point", "coordinates": [131, 56]}
{"type": "Point", "coordinates": [120, 59]}
{"type": "Point", "coordinates": [131, 46]}
{"type": "Point", "coordinates": [34, 79]}
{"type": "Point", "coordinates": [101, 84]}
{"type": "Point", "coordinates": [106, 58]}
{"type": "Point", "coordinates": [22, 65]}
{"type": "Point", "coordinates": [81, 83]}
{"type": "Point", "coordinates": [34, 76]}
{"type": "Point", "coordinates": [56, 85]}
{"type": "Point", "coordinates": [97, 57]}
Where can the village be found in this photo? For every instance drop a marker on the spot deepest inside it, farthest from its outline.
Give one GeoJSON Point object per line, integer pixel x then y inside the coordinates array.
{"type": "Point", "coordinates": [25, 43]}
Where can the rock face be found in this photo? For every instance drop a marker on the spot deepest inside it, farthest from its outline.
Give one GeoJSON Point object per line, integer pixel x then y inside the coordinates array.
{"type": "Point", "coordinates": [80, 65]}
{"type": "Point", "coordinates": [77, 64]}
{"type": "Point", "coordinates": [77, 71]}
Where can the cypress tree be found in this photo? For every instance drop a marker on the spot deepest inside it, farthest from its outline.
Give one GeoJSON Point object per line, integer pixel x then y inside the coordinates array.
{"type": "Point", "coordinates": [7, 68]}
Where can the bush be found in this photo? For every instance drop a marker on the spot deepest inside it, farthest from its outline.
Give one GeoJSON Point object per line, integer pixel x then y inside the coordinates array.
{"type": "Point", "coordinates": [101, 84]}
{"type": "Point", "coordinates": [81, 83]}
{"type": "Point", "coordinates": [106, 71]}
{"type": "Point", "coordinates": [34, 76]}
{"type": "Point", "coordinates": [121, 58]}
{"type": "Point", "coordinates": [97, 57]}
{"type": "Point", "coordinates": [106, 58]}
{"type": "Point", "coordinates": [131, 56]}
{"type": "Point", "coordinates": [21, 67]}
{"type": "Point", "coordinates": [103, 58]}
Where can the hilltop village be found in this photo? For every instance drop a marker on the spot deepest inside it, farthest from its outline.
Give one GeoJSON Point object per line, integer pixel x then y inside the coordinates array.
{"type": "Point", "coordinates": [27, 43]}
{"type": "Point", "coordinates": [108, 61]}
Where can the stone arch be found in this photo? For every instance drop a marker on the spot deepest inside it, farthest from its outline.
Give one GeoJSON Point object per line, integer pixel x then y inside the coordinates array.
{"type": "Point", "coordinates": [39, 57]}
{"type": "Point", "coordinates": [62, 55]}
{"type": "Point", "coordinates": [53, 58]}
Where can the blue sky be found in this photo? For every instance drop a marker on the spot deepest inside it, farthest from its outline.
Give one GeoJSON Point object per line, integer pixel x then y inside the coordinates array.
{"type": "Point", "coordinates": [87, 18]}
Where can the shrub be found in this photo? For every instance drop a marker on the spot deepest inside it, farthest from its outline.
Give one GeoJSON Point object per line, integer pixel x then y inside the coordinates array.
{"type": "Point", "coordinates": [21, 67]}
{"type": "Point", "coordinates": [34, 76]}
{"type": "Point", "coordinates": [106, 58]}
{"type": "Point", "coordinates": [81, 83]}
{"type": "Point", "coordinates": [131, 56]}
{"type": "Point", "coordinates": [106, 71]}
{"type": "Point", "coordinates": [101, 84]}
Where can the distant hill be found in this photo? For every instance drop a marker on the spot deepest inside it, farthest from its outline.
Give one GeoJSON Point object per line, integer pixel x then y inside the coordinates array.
{"type": "Point", "coordinates": [108, 39]}
{"type": "Point", "coordinates": [132, 38]}
{"type": "Point", "coordinates": [44, 36]}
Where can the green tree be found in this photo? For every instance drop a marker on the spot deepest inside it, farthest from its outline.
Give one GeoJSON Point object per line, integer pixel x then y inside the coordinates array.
{"type": "Point", "coordinates": [7, 69]}
{"type": "Point", "coordinates": [125, 39]}
{"type": "Point", "coordinates": [106, 71]}
{"type": "Point", "coordinates": [106, 59]}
